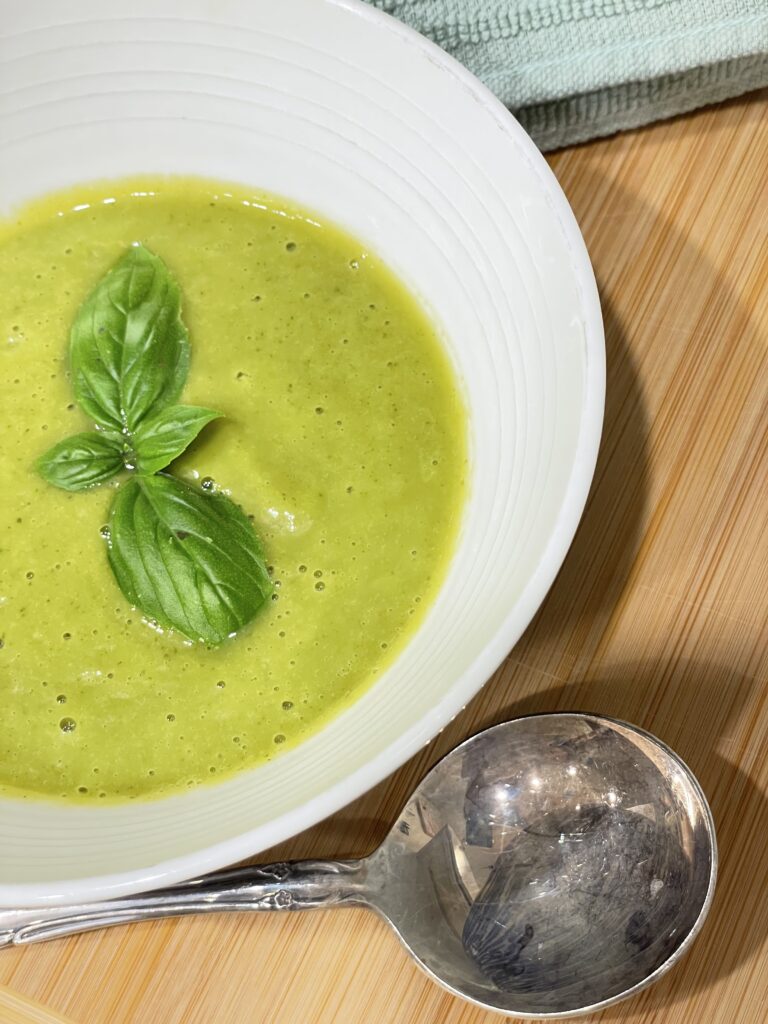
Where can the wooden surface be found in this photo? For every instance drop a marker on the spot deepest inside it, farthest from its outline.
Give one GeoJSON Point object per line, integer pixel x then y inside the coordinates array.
{"type": "Point", "coordinates": [18, 1009]}
{"type": "Point", "coordinates": [658, 616]}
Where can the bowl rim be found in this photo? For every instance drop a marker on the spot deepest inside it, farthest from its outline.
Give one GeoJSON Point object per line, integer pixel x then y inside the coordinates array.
{"type": "Point", "coordinates": [384, 762]}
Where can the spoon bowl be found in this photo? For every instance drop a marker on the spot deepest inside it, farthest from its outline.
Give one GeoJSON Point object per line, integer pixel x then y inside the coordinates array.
{"type": "Point", "coordinates": [562, 863]}
{"type": "Point", "coordinates": [546, 867]}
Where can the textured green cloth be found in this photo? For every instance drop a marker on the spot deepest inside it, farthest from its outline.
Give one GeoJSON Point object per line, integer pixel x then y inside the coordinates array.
{"type": "Point", "coordinates": [571, 70]}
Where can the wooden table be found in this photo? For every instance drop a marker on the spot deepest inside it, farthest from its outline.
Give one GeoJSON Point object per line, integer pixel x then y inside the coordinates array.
{"type": "Point", "coordinates": [658, 616]}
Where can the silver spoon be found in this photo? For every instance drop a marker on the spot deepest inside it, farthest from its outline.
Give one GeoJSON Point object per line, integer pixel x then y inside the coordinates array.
{"type": "Point", "coordinates": [546, 867]}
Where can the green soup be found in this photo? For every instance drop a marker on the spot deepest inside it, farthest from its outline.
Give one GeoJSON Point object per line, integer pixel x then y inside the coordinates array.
{"type": "Point", "coordinates": [344, 438]}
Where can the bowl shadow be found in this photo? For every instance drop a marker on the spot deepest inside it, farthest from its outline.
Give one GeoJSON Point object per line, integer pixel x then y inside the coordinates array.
{"type": "Point", "coordinates": [694, 705]}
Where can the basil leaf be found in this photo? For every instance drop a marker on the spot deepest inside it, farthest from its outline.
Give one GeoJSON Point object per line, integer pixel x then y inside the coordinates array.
{"type": "Point", "coordinates": [83, 460]}
{"type": "Point", "coordinates": [161, 439]}
{"type": "Point", "coordinates": [128, 347]}
{"type": "Point", "coordinates": [187, 559]}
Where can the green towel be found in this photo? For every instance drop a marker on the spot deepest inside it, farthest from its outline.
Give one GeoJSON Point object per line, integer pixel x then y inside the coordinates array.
{"type": "Point", "coordinates": [571, 70]}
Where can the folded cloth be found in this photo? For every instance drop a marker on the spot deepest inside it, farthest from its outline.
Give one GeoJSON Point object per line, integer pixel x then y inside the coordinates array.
{"type": "Point", "coordinates": [571, 70]}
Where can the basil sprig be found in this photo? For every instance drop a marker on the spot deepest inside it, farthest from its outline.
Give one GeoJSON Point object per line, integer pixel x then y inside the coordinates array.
{"type": "Point", "coordinates": [83, 460]}
{"type": "Point", "coordinates": [189, 559]}
{"type": "Point", "coordinates": [186, 557]}
{"type": "Point", "coordinates": [129, 350]}
{"type": "Point", "coordinates": [161, 438]}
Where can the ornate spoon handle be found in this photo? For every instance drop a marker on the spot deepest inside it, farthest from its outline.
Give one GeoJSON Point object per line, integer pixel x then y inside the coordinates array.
{"type": "Point", "coordinates": [286, 885]}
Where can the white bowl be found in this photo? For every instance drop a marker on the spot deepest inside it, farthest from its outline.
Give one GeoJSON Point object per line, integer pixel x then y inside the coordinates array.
{"type": "Point", "coordinates": [348, 112]}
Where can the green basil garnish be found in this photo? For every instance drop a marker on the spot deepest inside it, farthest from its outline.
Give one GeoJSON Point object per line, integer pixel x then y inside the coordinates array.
{"type": "Point", "coordinates": [187, 559]}
{"type": "Point", "coordinates": [83, 460]}
{"type": "Point", "coordinates": [129, 349]}
{"type": "Point", "coordinates": [160, 439]}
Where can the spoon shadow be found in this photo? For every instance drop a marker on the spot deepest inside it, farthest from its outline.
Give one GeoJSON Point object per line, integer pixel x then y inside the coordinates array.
{"type": "Point", "coordinates": [739, 807]}
{"type": "Point", "coordinates": [737, 926]}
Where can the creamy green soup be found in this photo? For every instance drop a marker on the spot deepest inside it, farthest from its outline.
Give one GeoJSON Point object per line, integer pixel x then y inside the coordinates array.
{"type": "Point", "coordinates": [344, 437]}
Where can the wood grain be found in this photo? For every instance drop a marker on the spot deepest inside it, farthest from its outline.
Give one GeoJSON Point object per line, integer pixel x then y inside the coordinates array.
{"type": "Point", "coordinates": [16, 1009]}
{"type": "Point", "coordinates": [658, 616]}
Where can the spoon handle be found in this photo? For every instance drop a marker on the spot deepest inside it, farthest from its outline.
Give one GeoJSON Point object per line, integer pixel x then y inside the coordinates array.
{"type": "Point", "coordinates": [286, 885]}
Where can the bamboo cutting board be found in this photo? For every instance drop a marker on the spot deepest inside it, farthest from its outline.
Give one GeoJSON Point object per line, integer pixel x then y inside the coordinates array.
{"type": "Point", "coordinates": [659, 616]}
